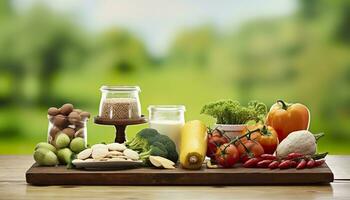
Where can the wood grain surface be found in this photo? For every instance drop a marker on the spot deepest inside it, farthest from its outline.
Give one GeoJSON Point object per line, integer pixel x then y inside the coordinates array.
{"type": "Point", "coordinates": [38, 175]}
{"type": "Point", "coordinates": [13, 186]}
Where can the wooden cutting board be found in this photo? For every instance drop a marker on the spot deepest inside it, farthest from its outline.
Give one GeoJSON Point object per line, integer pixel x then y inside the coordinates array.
{"type": "Point", "coordinates": [148, 176]}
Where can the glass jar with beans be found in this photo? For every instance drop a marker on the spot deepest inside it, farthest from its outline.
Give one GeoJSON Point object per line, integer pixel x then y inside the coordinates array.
{"type": "Point", "coordinates": [68, 121]}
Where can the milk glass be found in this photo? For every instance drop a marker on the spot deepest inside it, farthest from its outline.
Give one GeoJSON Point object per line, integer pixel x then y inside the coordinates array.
{"type": "Point", "coordinates": [167, 120]}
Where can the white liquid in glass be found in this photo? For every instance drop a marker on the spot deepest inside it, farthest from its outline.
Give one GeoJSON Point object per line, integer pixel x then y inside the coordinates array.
{"type": "Point", "coordinates": [170, 128]}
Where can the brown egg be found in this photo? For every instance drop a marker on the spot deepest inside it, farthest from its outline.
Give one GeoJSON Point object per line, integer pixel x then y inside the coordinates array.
{"type": "Point", "coordinates": [79, 133]}
{"type": "Point", "coordinates": [69, 131]}
{"type": "Point", "coordinates": [60, 121]}
{"type": "Point", "coordinates": [53, 111]}
{"type": "Point", "coordinates": [85, 115]}
{"type": "Point", "coordinates": [66, 109]}
{"type": "Point", "coordinates": [74, 117]}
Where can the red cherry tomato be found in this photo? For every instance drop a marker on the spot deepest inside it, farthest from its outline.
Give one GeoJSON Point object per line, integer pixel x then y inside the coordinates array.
{"type": "Point", "coordinates": [254, 148]}
{"type": "Point", "coordinates": [215, 139]}
{"type": "Point", "coordinates": [227, 155]}
{"type": "Point", "coordinates": [266, 136]}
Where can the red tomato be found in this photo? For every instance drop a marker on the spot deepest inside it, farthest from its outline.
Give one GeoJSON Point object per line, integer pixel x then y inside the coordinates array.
{"type": "Point", "coordinates": [215, 139]}
{"type": "Point", "coordinates": [227, 155]}
{"type": "Point", "coordinates": [253, 147]}
{"type": "Point", "coordinates": [267, 137]}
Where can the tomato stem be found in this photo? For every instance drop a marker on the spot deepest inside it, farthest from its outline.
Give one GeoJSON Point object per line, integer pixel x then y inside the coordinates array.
{"type": "Point", "coordinates": [246, 149]}
{"type": "Point", "coordinates": [244, 135]}
{"type": "Point", "coordinates": [284, 105]}
{"type": "Point", "coordinates": [265, 131]}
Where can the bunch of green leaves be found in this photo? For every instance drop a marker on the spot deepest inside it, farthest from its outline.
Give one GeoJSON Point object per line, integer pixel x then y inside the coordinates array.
{"type": "Point", "coordinates": [232, 112]}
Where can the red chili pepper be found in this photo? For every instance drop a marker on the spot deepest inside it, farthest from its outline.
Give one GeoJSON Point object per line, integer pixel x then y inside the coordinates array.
{"type": "Point", "coordinates": [285, 164]}
{"type": "Point", "coordinates": [302, 164]}
{"type": "Point", "coordinates": [264, 163]}
{"type": "Point", "coordinates": [293, 163]}
{"type": "Point", "coordinates": [319, 163]}
{"type": "Point", "coordinates": [310, 163]}
{"type": "Point", "coordinates": [274, 164]}
{"type": "Point", "coordinates": [251, 162]}
{"type": "Point", "coordinates": [294, 155]}
{"type": "Point", "coordinates": [268, 157]}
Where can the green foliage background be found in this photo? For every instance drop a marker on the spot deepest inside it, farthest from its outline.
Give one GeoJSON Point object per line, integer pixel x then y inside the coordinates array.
{"type": "Point", "coordinates": [46, 60]}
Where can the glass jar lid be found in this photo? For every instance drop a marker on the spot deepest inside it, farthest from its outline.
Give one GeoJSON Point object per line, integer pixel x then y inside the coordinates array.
{"type": "Point", "coordinates": [167, 108]}
{"type": "Point", "coordinates": [120, 88]}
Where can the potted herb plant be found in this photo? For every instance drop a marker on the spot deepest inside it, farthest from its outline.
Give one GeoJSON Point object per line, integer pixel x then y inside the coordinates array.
{"type": "Point", "coordinates": [232, 117]}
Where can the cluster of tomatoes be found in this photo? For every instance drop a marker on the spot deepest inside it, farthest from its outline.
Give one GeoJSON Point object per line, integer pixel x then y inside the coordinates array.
{"type": "Point", "coordinates": [255, 148]}
{"type": "Point", "coordinates": [251, 144]}
{"type": "Point", "coordinates": [293, 160]}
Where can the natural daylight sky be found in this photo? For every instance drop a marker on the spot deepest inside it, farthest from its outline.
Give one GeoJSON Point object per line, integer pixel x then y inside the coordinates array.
{"type": "Point", "coordinates": [158, 21]}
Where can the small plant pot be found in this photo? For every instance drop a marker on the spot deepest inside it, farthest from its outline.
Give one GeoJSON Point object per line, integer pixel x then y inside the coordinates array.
{"type": "Point", "coordinates": [231, 130]}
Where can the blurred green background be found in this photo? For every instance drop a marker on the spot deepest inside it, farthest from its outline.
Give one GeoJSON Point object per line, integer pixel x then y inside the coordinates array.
{"type": "Point", "coordinates": [178, 52]}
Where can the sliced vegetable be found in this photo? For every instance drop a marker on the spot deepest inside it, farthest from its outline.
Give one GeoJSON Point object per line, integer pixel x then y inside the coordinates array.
{"type": "Point", "coordinates": [158, 161]}
{"type": "Point", "coordinates": [149, 142]}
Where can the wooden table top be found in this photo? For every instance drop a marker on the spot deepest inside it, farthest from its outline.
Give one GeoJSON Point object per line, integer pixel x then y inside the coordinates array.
{"type": "Point", "coordinates": [14, 186]}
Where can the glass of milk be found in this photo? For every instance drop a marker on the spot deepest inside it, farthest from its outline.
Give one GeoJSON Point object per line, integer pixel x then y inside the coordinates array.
{"type": "Point", "coordinates": [167, 120]}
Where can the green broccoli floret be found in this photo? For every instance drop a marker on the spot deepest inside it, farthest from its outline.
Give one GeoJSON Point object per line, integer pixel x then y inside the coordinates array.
{"type": "Point", "coordinates": [150, 134]}
{"type": "Point", "coordinates": [143, 139]}
{"type": "Point", "coordinates": [170, 147]}
{"type": "Point", "coordinates": [156, 149]}
{"type": "Point", "coordinates": [149, 142]}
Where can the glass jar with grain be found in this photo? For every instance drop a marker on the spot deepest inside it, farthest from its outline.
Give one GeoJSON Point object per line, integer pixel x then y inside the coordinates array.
{"type": "Point", "coordinates": [120, 102]}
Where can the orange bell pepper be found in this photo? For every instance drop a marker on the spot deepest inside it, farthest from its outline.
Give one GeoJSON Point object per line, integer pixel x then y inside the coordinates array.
{"type": "Point", "coordinates": [286, 118]}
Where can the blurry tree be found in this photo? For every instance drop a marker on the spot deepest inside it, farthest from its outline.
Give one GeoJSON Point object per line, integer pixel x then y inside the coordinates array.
{"type": "Point", "coordinates": [193, 47]}
{"type": "Point", "coordinates": [121, 51]}
{"type": "Point", "coordinates": [334, 15]}
{"type": "Point", "coordinates": [303, 58]}
{"type": "Point", "coordinates": [5, 10]}
{"type": "Point", "coordinates": [38, 43]}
